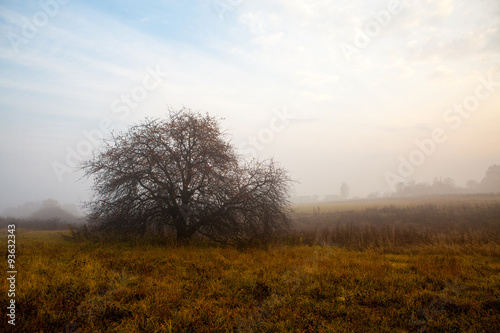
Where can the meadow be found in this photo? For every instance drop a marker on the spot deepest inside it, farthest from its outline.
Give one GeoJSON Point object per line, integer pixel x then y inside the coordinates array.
{"type": "Point", "coordinates": [399, 265]}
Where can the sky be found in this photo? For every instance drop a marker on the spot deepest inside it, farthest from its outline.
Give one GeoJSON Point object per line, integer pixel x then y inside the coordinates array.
{"type": "Point", "coordinates": [369, 93]}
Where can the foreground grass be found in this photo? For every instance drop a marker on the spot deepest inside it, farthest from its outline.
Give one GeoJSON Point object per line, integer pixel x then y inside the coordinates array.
{"type": "Point", "coordinates": [65, 286]}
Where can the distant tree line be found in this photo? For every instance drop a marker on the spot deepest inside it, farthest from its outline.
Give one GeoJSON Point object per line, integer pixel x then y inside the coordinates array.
{"type": "Point", "coordinates": [43, 210]}
{"type": "Point", "coordinates": [489, 184]}
{"type": "Point", "coordinates": [36, 224]}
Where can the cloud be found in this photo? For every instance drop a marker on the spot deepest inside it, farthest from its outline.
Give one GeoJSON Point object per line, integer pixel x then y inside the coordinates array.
{"type": "Point", "coordinates": [269, 40]}
{"type": "Point", "coordinates": [315, 97]}
{"type": "Point", "coordinates": [311, 78]}
{"type": "Point", "coordinates": [441, 73]}
{"type": "Point", "coordinates": [256, 22]}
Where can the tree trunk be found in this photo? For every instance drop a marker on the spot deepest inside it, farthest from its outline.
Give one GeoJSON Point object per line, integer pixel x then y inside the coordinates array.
{"type": "Point", "coordinates": [181, 230]}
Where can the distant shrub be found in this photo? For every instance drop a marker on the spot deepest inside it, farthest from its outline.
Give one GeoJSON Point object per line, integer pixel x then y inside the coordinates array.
{"type": "Point", "coordinates": [35, 224]}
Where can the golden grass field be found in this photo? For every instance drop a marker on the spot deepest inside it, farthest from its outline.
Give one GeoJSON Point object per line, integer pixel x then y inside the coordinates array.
{"type": "Point", "coordinates": [353, 277]}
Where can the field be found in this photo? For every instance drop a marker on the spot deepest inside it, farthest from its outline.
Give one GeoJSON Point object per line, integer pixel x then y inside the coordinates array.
{"type": "Point", "coordinates": [426, 265]}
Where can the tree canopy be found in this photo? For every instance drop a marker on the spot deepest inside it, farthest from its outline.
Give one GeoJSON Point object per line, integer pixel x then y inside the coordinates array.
{"type": "Point", "coordinates": [182, 174]}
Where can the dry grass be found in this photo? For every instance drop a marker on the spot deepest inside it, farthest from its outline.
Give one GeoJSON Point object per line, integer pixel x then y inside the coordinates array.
{"type": "Point", "coordinates": [399, 224]}
{"type": "Point", "coordinates": [345, 277]}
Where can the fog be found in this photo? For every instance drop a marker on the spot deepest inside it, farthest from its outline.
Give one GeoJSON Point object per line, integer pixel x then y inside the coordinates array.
{"type": "Point", "coordinates": [45, 210]}
{"type": "Point", "coordinates": [386, 97]}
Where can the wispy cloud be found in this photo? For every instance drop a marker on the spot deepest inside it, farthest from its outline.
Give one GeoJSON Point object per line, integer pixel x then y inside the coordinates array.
{"type": "Point", "coordinates": [261, 55]}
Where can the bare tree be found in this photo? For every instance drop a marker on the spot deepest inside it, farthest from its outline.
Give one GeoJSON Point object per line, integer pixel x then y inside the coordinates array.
{"type": "Point", "coordinates": [182, 174]}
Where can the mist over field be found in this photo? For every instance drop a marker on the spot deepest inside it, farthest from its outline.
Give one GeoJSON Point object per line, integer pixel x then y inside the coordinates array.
{"type": "Point", "coordinates": [250, 166]}
{"type": "Point", "coordinates": [386, 97]}
{"type": "Point", "coordinates": [150, 151]}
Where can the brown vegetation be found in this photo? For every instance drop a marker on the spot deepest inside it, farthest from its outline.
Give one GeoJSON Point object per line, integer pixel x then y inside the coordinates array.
{"type": "Point", "coordinates": [361, 267]}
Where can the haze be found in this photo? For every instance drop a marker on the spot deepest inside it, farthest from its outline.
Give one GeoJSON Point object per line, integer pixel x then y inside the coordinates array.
{"type": "Point", "coordinates": [336, 91]}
